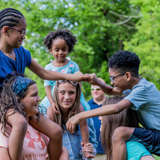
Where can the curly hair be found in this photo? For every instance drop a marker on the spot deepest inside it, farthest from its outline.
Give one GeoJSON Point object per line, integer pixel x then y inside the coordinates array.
{"type": "Point", "coordinates": [10, 100]}
{"type": "Point", "coordinates": [10, 17]}
{"type": "Point", "coordinates": [76, 106]}
{"type": "Point", "coordinates": [125, 61]}
{"type": "Point", "coordinates": [62, 34]}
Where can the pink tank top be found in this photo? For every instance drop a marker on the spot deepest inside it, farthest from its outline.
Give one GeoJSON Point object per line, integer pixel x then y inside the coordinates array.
{"type": "Point", "coordinates": [34, 146]}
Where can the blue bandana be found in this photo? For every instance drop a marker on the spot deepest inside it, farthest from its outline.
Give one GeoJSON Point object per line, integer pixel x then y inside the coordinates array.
{"type": "Point", "coordinates": [20, 85]}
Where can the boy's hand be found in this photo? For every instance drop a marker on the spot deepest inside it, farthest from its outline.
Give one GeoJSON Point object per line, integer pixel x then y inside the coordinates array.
{"type": "Point", "coordinates": [93, 78]}
{"type": "Point", "coordinates": [72, 122]}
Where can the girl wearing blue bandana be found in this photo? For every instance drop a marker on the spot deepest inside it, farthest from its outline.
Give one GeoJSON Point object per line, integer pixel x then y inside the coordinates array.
{"type": "Point", "coordinates": [19, 110]}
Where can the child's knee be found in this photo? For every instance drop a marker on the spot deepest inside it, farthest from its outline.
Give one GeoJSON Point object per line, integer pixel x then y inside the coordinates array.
{"type": "Point", "coordinates": [121, 134]}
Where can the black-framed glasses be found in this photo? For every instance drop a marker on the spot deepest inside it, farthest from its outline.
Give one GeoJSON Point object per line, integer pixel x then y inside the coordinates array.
{"type": "Point", "coordinates": [22, 32]}
{"type": "Point", "coordinates": [112, 78]}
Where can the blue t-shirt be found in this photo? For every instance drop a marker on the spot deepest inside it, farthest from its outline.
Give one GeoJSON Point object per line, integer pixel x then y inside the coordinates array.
{"type": "Point", "coordinates": [145, 99]}
{"type": "Point", "coordinates": [97, 125]}
{"type": "Point", "coordinates": [8, 65]}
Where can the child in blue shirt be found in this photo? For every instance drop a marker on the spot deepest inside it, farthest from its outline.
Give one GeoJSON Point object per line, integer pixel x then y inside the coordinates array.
{"type": "Point", "coordinates": [60, 43]}
{"type": "Point", "coordinates": [143, 97]}
{"type": "Point", "coordinates": [67, 103]}
{"type": "Point", "coordinates": [15, 58]}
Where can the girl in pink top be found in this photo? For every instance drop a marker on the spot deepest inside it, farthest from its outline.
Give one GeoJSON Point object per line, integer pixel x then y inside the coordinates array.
{"type": "Point", "coordinates": [19, 104]}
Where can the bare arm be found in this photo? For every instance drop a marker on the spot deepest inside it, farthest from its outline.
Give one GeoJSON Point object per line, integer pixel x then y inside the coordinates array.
{"type": "Point", "coordinates": [16, 138]}
{"type": "Point", "coordinates": [106, 110]}
{"type": "Point", "coordinates": [49, 95]}
{"type": "Point", "coordinates": [4, 154]}
{"type": "Point", "coordinates": [106, 88]}
{"type": "Point", "coordinates": [84, 130]}
{"type": "Point", "coordinates": [53, 75]}
{"type": "Point", "coordinates": [50, 113]}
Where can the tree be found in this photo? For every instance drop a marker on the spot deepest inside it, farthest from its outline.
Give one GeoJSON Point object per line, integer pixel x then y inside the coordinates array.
{"type": "Point", "coordinates": [101, 26]}
{"type": "Point", "coordinates": [146, 40]}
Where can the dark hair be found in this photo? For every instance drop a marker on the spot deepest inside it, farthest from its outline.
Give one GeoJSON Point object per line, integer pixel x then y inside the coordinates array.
{"type": "Point", "coordinates": [127, 117]}
{"type": "Point", "coordinates": [10, 17]}
{"type": "Point", "coordinates": [74, 109]}
{"type": "Point", "coordinates": [62, 34]}
{"type": "Point", "coordinates": [9, 100]}
{"type": "Point", "coordinates": [125, 61]}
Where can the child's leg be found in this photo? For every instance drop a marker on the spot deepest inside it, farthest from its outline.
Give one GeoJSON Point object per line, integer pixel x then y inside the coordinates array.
{"type": "Point", "coordinates": [54, 132]}
{"type": "Point", "coordinates": [64, 155]}
{"type": "Point", "coordinates": [119, 138]}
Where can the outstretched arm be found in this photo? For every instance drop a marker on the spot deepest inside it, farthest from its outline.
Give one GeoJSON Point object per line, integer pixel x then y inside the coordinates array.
{"type": "Point", "coordinates": [87, 148]}
{"type": "Point", "coordinates": [106, 88]}
{"type": "Point", "coordinates": [53, 75]}
{"type": "Point", "coordinates": [84, 130]}
{"type": "Point", "coordinates": [106, 110]}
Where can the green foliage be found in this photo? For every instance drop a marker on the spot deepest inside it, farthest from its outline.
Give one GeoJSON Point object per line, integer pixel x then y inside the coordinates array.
{"type": "Point", "coordinates": [100, 26]}
{"type": "Point", "coordinates": [146, 41]}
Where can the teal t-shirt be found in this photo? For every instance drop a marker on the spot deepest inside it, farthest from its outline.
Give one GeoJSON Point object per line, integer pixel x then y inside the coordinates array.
{"type": "Point", "coordinates": [145, 99]}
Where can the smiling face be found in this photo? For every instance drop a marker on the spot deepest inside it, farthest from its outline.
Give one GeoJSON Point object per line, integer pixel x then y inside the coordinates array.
{"type": "Point", "coordinates": [118, 79]}
{"type": "Point", "coordinates": [66, 95]}
{"type": "Point", "coordinates": [59, 50]}
{"type": "Point", "coordinates": [16, 34]}
{"type": "Point", "coordinates": [31, 100]}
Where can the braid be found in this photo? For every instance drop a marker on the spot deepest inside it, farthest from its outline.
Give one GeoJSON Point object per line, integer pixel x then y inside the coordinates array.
{"type": "Point", "coordinates": [10, 17]}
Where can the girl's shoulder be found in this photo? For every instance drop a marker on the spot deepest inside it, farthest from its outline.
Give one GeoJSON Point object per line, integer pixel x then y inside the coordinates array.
{"type": "Point", "coordinates": [21, 49]}
{"type": "Point", "coordinates": [49, 66]}
{"type": "Point", "coordinates": [71, 62]}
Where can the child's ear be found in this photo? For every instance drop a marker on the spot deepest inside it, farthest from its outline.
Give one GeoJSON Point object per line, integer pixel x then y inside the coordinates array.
{"type": "Point", "coordinates": [5, 29]}
{"type": "Point", "coordinates": [128, 76]}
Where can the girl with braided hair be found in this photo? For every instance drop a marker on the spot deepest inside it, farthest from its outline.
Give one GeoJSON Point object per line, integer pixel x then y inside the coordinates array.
{"type": "Point", "coordinates": [67, 103]}
{"type": "Point", "coordinates": [15, 58]}
{"type": "Point", "coordinates": [18, 139]}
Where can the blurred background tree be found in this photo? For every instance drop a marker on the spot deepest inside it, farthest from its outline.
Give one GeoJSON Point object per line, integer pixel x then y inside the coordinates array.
{"type": "Point", "coordinates": [101, 27]}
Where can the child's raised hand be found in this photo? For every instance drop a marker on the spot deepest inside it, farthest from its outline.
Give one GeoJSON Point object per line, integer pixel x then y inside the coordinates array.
{"type": "Point", "coordinates": [14, 118]}
{"type": "Point", "coordinates": [88, 150]}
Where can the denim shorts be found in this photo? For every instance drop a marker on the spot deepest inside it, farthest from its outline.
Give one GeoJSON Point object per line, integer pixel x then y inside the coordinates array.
{"type": "Point", "coordinates": [149, 138]}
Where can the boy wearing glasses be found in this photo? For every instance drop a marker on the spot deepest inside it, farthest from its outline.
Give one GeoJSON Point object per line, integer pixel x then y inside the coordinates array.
{"type": "Point", "coordinates": [143, 97]}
